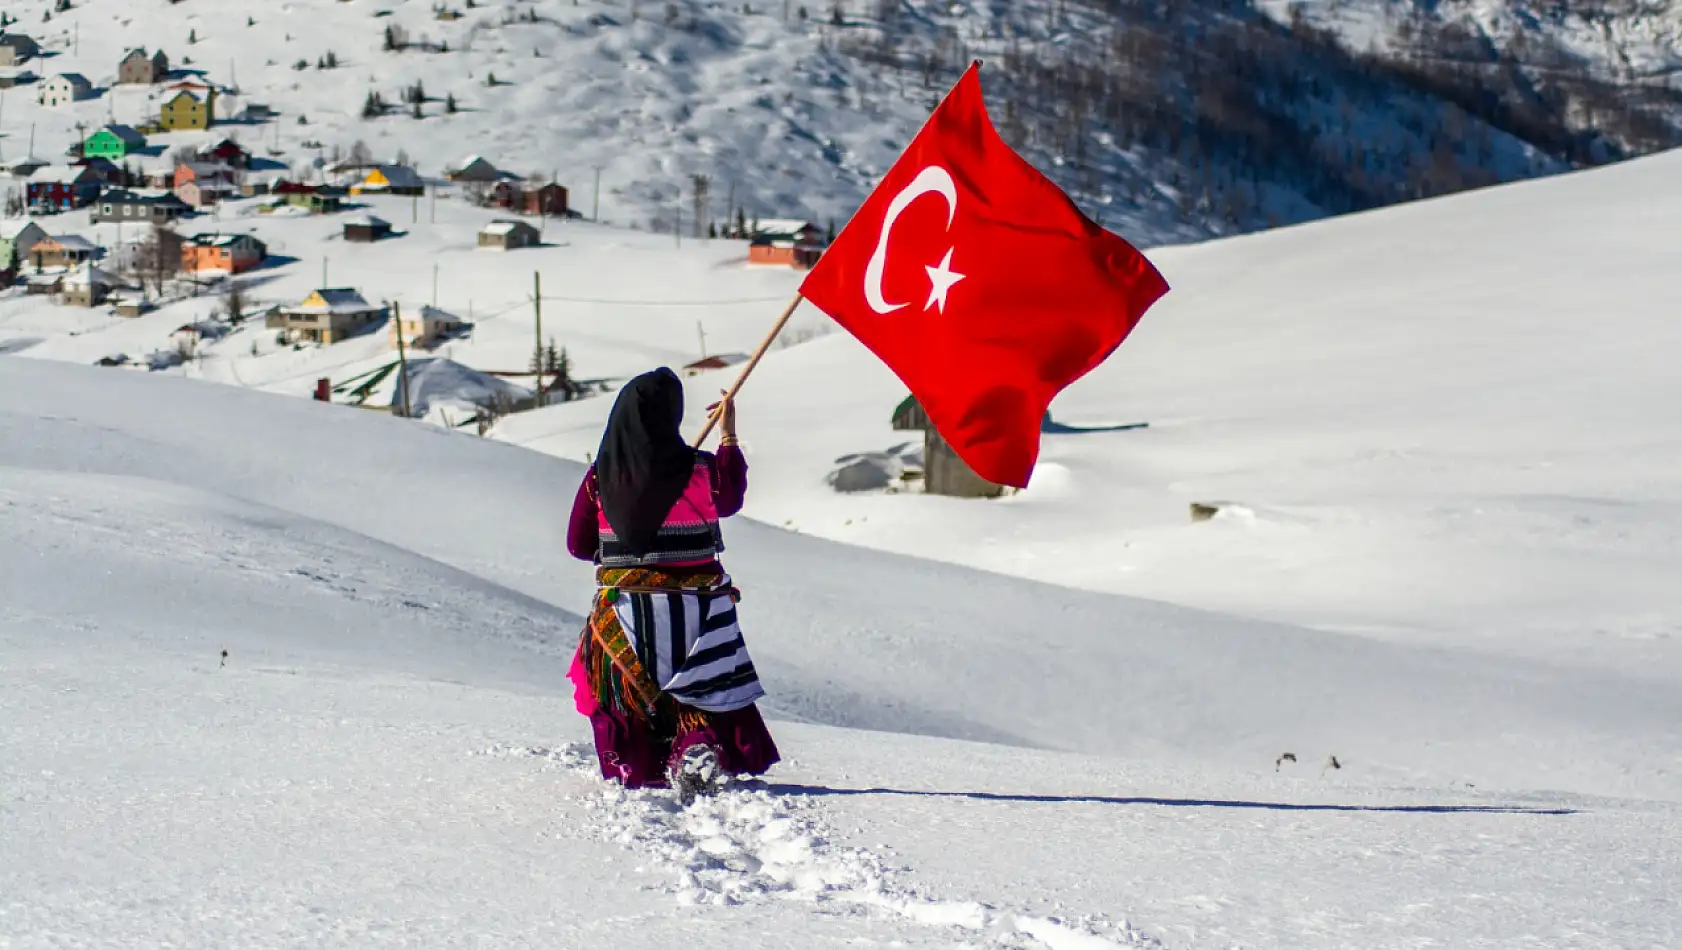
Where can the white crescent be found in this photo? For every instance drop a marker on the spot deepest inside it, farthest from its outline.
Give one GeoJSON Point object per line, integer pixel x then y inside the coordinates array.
{"type": "Point", "coordinates": [931, 180]}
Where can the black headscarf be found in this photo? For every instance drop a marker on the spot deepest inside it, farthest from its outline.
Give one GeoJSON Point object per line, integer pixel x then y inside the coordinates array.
{"type": "Point", "coordinates": [644, 464]}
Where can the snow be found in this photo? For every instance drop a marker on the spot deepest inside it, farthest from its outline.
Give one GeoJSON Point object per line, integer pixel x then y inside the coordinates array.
{"type": "Point", "coordinates": [280, 673]}
{"type": "Point", "coordinates": [390, 752]}
{"type": "Point", "coordinates": [1437, 424]}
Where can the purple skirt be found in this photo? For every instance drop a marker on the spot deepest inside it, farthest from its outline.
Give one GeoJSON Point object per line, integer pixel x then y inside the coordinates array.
{"type": "Point", "coordinates": [635, 753]}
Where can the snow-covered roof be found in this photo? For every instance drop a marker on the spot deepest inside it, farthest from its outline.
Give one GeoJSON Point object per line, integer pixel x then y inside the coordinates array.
{"type": "Point", "coordinates": [366, 221]}
{"type": "Point", "coordinates": [783, 226]}
{"type": "Point", "coordinates": [125, 132]}
{"type": "Point", "coordinates": [88, 275]}
{"type": "Point", "coordinates": [438, 383]}
{"type": "Point", "coordinates": [74, 242]}
{"type": "Point", "coordinates": [400, 176]}
{"type": "Point", "coordinates": [193, 94]}
{"type": "Point", "coordinates": [207, 168]}
{"type": "Point", "coordinates": [218, 240]}
{"type": "Point", "coordinates": [433, 314]}
{"type": "Point", "coordinates": [337, 299]}
{"type": "Point", "coordinates": [75, 79]}
{"type": "Point", "coordinates": [60, 174]}
{"type": "Point", "coordinates": [502, 227]}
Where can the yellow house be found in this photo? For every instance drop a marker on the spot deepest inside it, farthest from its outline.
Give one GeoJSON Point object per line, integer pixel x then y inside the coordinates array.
{"type": "Point", "coordinates": [188, 109]}
{"type": "Point", "coordinates": [390, 180]}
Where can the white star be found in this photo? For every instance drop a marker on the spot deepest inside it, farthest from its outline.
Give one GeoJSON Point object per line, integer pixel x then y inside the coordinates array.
{"type": "Point", "coordinates": [941, 279]}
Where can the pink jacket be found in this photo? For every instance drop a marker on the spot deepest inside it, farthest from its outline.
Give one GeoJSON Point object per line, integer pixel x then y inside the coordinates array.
{"type": "Point", "coordinates": [730, 484]}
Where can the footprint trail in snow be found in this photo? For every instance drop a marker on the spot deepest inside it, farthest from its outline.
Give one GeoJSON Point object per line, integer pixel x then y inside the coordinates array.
{"type": "Point", "coordinates": [747, 845]}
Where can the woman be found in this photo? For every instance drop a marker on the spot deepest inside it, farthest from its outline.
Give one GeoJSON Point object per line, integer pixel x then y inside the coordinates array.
{"type": "Point", "coordinates": [661, 669]}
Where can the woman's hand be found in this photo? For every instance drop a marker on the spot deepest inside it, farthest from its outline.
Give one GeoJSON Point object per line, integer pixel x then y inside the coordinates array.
{"type": "Point", "coordinates": [725, 410]}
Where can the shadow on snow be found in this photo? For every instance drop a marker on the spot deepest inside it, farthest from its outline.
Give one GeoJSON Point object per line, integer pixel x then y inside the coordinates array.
{"type": "Point", "coordinates": [820, 790]}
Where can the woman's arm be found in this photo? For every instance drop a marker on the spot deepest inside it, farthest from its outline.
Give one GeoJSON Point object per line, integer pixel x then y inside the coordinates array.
{"type": "Point", "coordinates": [583, 531]}
{"type": "Point", "coordinates": [730, 479]}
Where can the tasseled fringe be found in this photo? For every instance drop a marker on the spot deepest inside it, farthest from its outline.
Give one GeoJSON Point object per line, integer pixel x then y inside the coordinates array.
{"type": "Point", "coordinates": [625, 687]}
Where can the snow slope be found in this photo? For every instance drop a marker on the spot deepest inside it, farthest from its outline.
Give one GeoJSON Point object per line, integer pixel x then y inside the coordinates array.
{"type": "Point", "coordinates": [389, 754]}
{"type": "Point", "coordinates": [1446, 423]}
{"type": "Point", "coordinates": [789, 109]}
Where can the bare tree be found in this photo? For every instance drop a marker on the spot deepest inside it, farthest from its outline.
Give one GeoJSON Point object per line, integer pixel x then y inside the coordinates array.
{"type": "Point", "coordinates": [157, 260]}
{"type": "Point", "coordinates": [235, 303]}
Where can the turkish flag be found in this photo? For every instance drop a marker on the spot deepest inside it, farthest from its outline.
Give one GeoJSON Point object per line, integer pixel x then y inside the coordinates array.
{"type": "Point", "coordinates": [981, 285]}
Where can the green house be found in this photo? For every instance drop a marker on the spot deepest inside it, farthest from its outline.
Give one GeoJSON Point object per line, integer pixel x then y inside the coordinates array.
{"type": "Point", "coordinates": [114, 142]}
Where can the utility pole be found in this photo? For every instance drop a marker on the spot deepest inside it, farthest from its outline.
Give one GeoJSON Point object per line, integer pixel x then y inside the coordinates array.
{"type": "Point", "coordinates": [435, 284]}
{"type": "Point", "coordinates": [434, 212]}
{"type": "Point", "coordinates": [730, 209]}
{"type": "Point", "coordinates": [414, 210]}
{"type": "Point", "coordinates": [677, 226]}
{"type": "Point", "coordinates": [402, 358]}
{"type": "Point", "coordinates": [702, 332]}
{"type": "Point", "coordinates": [537, 311]}
{"type": "Point", "coordinates": [595, 202]}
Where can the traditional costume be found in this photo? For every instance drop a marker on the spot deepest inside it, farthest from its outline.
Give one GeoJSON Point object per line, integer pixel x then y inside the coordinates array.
{"type": "Point", "coordinates": [662, 669]}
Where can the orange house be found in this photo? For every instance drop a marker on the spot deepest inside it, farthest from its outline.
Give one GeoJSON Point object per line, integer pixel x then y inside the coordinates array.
{"type": "Point", "coordinates": [225, 253]}
{"type": "Point", "coordinates": [788, 243]}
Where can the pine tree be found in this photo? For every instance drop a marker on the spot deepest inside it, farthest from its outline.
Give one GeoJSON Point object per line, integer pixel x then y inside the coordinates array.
{"type": "Point", "coordinates": [390, 45]}
{"type": "Point", "coordinates": [192, 37]}
{"type": "Point", "coordinates": [450, 104]}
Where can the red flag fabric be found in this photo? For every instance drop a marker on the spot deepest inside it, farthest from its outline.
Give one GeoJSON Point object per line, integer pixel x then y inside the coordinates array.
{"type": "Point", "coordinates": [981, 285]}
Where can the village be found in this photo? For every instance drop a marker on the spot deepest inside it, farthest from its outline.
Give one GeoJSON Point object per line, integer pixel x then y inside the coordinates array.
{"type": "Point", "coordinates": [178, 215]}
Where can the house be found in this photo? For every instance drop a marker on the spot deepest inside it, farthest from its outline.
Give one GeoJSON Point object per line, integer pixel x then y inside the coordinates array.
{"type": "Point", "coordinates": [227, 152]}
{"type": "Point", "coordinates": [18, 237]}
{"type": "Point", "coordinates": [17, 49]}
{"type": "Point", "coordinates": [132, 307]}
{"type": "Point", "coordinates": [390, 180]}
{"type": "Point", "coordinates": [205, 194]}
{"type": "Point", "coordinates": [322, 201]}
{"type": "Point", "coordinates": [222, 253]}
{"type": "Point", "coordinates": [128, 207]}
{"type": "Point", "coordinates": [65, 88]}
{"type": "Point", "coordinates": [17, 77]}
{"type": "Point", "coordinates": [427, 328]}
{"type": "Point", "coordinates": [62, 250]}
{"type": "Point", "coordinates": [188, 109]}
{"type": "Point", "coordinates": [505, 235]}
{"type": "Point", "coordinates": [365, 229]}
{"type": "Point", "coordinates": [319, 199]}
{"type": "Point", "coordinates": [548, 199]}
{"type": "Point", "coordinates": [202, 184]}
{"type": "Point", "coordinates": [326, 316]}
{"type": "Point", "coordinates": [944, 473]}
{"type": "Point", "coordinates": [105, 171]}
{"type": "Point", "coordinates": [476, 169]}
{"type": "Point", "coordinates": [24, 167]}
{"type": "Point", "coordinates": [137, 67]}
{"type": "Point", "coordinates": [788, 242]}
{"type": "Point", "coordinates": [113, 142]}
{"type": "Point", "coordinates": [717, 361]}
{"type": "Point", "coordinates": [62, 186]}
{"type": "Point", "coordinates": [87, 286]}
{"type": "Point", "coordinates": [260, 183]}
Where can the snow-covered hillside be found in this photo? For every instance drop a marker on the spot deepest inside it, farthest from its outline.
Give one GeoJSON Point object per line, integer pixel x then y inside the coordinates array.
{"type": "Point", "coordinates": [1169, 123]}
{"type": "Point", "coordinates": [1444, 423]}
{"type": "Point", "coordinates": [390, 751]}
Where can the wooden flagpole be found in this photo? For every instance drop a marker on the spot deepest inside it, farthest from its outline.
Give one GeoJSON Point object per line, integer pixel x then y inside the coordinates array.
{"type": "Point", "coordinates": [753, 361]}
